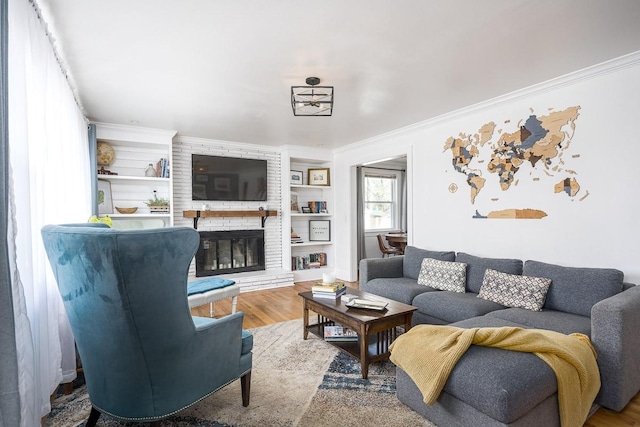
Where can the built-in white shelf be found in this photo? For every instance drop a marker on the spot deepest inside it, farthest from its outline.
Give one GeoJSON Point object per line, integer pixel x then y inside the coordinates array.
{"type": "Point", "coordinates": [298, 245]}
{"type": "Point", "coordinates": [139, 215]}
{"type": "Point", "coordinates": [319, 187]}
{"type": "Point", "coordinates": [310, 214]}
{"type": "Point", "coordinates": [310, 274]}
{"type": "Point", "coordinates": [135, 149]}
{"type": "Point", "coordinates": [132, 178]}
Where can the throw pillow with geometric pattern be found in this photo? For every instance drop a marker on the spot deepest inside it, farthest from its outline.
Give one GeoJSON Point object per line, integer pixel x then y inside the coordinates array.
{"type": "Point", "coordinates": [513, 290]}
{"type": "Point", "coordinates": [443, 275]}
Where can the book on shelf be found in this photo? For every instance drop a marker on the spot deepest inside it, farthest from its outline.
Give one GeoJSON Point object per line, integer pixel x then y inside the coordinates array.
{"type": "Point", "coordinates": [318, 206]}
{"type": "Point", "coordinates": [339, 333]}
{"type": "Point", "coordinates": [314, 260]}
{"type": "Point", "coordinates": [322, 258]}
{"type": "Point", "coordinates": [326, 294]}
{"type": "Point", "coordinates": [162, 168]}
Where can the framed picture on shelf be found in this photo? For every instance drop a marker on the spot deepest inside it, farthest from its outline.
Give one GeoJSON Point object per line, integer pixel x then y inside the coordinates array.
{"type": "Point", "coordinates": [306, 209]}
{"type": "Point", "coordinates": [105, 202]}
{"type": "Point", "coordinates": [296, 178]}
{"type": "Point", "coordinates": [318, 176]}
{"type": "Point", "coordinates": [320, 230]}
{"type": "Point", "coordinates": [294, 202]}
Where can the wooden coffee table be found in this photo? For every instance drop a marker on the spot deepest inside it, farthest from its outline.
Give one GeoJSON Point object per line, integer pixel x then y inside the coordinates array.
{"type": "Point", "coordinates": [376, 329]}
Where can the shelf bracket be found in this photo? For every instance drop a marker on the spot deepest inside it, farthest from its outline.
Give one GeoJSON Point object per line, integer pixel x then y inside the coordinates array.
{"type": "Point", "coordinates": [195, 220]}
{"type": "Point", "coordinates": [264, 218]}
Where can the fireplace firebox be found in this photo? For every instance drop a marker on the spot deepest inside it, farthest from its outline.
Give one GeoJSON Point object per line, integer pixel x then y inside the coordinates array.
{"type": "Point", "coordinates": [223, 252]}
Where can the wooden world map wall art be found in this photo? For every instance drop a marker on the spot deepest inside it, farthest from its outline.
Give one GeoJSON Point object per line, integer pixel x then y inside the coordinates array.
{"type": "Point", "coordinates": [493, 156]}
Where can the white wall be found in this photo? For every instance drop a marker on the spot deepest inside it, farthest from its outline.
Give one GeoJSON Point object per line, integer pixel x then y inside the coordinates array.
{"type": "Point", "coordinates": [600, 231]}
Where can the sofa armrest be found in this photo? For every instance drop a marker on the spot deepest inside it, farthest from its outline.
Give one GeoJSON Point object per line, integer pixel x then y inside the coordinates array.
{"type": "Point", "coordinates": [373, 268]}
{"type": "Point", "coordinates": [615, 323]}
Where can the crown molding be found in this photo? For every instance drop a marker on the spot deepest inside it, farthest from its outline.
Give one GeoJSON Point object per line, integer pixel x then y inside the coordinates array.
{"type": "Point", "coordinates": [222, 144]}
{"type": "Point", "coordinates": [113, 131]}
{"type": "Point", "coordinates": [592, 72]}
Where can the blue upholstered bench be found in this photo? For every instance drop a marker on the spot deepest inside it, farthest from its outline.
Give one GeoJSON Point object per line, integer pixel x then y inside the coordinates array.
{"type": "Point", "coordinates": [210, 290]}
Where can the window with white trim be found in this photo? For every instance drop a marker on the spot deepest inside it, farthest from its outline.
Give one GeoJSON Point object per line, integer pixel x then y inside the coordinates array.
{"type": "Point", "coordinates": [381, 211]}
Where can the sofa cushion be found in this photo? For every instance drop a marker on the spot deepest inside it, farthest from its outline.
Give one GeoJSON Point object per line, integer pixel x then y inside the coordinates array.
{"type": "Point", "coordinates": [559, 321]}
{"type": "Point", "coordinates": [453, 306]}
{"type": "Point", "coordinates": [576, 290]}
{"type": "Point", "coordinates": [514, 290]}
{"type": "Point", "coordinates": [207, 284]}
{"type": "Point", "coordinates": [413, 260]}
{"type": "Point", "coordinates": [400, 289]}
{"type": "Point", "coordinates": [476, 267]}
{"type": "Point", "coordinates": [443, 275]}
{"type": "Point", "coordinates": [505, 385]}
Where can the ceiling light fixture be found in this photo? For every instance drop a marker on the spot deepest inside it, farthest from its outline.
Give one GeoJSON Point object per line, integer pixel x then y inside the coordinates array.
{"type": "Point", "coordinates": [312, 100]}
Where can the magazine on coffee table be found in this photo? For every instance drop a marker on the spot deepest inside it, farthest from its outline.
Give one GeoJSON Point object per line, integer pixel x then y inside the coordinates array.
{"type": "Point", "coordinates": [367, 304]}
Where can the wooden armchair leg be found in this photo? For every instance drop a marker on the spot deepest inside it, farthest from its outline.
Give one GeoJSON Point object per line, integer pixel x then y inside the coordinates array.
{"type": "Point", "coordinates": [93, 417]}
{"type": "Point", "coordinates": [245, 383]}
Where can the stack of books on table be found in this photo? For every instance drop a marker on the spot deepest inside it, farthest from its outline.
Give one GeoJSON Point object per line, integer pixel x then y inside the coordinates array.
{"type": "Point", "coordinates": [339, 333]}
{"type": "Point", "coordinates": [333, 290]}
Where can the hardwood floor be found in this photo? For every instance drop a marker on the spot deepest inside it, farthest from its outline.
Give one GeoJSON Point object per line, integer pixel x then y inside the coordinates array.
{"type": "Point", "coordinates": [264, 307]}
{"type": "Point", "coordinates": [281, 304]}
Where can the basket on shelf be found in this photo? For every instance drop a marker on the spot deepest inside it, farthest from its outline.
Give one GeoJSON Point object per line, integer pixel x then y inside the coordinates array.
{"type": "Point", "coordinates": [126, 210]}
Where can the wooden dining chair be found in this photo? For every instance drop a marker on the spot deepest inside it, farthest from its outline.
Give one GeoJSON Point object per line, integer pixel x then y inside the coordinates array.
{"type": "Point", "coordinates": [386, 250]}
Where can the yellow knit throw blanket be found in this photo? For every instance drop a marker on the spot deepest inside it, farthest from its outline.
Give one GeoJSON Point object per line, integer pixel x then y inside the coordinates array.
{"type": "Point", "coordinates": [428, 354]}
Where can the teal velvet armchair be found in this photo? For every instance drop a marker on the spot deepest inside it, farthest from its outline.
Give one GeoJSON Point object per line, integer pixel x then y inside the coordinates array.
{"type": "Point", "coordinates": [125, 292]}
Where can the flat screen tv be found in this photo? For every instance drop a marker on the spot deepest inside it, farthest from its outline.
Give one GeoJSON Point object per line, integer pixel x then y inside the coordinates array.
{"type": "Point", "coordinates": [228, 178]}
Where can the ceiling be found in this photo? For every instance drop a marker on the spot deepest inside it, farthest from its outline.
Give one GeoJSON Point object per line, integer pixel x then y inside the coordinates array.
{"type": "Point", "coordinates": [222, 69]}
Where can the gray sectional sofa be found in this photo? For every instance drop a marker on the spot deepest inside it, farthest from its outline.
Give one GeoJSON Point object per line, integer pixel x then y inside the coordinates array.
{"type": "Point", "coordinates": [494, 387]}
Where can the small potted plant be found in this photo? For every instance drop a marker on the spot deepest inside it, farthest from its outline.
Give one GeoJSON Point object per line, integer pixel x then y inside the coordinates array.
{"type": "Point", "coordinates": [157, 205]}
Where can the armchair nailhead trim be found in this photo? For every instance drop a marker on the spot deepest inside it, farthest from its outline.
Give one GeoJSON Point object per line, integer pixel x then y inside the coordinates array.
{"type": "Point", "coordinates": [159, 417]}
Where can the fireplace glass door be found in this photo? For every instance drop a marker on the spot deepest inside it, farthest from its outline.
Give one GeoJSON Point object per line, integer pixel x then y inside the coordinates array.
{"type": "Point", "coordinates": [223, 252]}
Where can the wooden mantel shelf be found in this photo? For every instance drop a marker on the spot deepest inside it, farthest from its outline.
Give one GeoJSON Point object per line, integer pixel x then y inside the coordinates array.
{"type": "Point", "coordinates": [263, 215]}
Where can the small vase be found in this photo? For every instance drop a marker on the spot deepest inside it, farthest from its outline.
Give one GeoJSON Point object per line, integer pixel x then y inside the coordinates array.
{"type": "Point", "coordinates": [150, 171]}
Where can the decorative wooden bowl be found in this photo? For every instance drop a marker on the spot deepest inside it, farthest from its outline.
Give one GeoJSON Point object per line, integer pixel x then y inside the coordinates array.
{"type": "Point", "coordinates": [126, 210]}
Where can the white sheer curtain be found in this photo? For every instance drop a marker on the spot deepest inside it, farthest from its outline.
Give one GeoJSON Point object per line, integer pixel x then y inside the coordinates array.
{"type": "Point", "coordinates": [50, 183]}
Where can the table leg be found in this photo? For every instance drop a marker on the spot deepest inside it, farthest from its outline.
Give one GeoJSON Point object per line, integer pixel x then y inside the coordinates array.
{"type": "Point", "coordinates": [364, 352]}
{"type": "Point", "coordinates": [234, 304]}
{"type": "Point", "coordinates": [407, 322]}
{"type": "Point", "coordinates": [211, 309]}
{"type": "Point", "coordinates": [305, 320]}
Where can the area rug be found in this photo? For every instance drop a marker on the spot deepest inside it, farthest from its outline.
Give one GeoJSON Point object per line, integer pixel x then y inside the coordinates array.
{"type": "Point", "coordinates": [294, 383]}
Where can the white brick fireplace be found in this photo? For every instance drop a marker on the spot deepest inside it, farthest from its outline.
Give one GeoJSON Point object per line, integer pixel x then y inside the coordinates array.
{"type": "Point", "coordinates": [183, 147]}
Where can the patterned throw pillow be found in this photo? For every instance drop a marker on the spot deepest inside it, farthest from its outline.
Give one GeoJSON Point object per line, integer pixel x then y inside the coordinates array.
{"type": "Point", "coordinates": [513, 290]}
{"type": "Point", "coordinates": [444, 275]}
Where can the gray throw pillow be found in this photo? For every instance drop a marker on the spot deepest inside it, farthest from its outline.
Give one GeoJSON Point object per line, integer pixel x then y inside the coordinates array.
{"type": "Point", "coordinates": [476, 266]}
{"type": "Point", "coordinates": [513, 290]}
{"type": "Point", "coordinates": [443, 275]}
{"type": "Point", "coordinates": [412, 262]}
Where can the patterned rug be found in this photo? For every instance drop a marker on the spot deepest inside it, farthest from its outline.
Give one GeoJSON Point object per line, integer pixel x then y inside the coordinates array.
{"type": "Point", "coordinates": [293, 383]}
